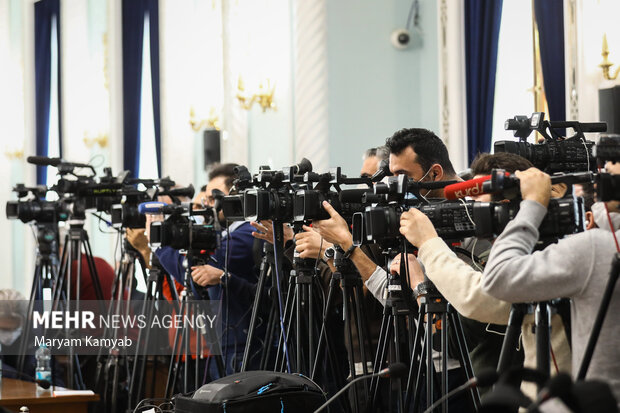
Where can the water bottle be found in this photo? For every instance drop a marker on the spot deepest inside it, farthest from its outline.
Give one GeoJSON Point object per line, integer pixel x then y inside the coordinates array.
{"type": "Point", "coordinates": [44, 369]}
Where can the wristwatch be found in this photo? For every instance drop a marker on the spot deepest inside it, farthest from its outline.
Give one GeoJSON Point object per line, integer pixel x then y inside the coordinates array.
{"type": "Point", "coordinates": [348, 252]}
{"type": "Point", "coordinates": [329, 253]}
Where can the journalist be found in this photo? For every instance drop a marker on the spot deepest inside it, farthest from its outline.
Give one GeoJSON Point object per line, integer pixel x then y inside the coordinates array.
{"type": "Point", "coordinates": [371, 159]}
{"type": "Point", "coordinates": [422, 156]}
{"type": "Point", "coordinates": [237, 287]}
{"type": "Point", "coordinates": [460, 281]}
{"type": "Point", "coordinates": [577, 267]}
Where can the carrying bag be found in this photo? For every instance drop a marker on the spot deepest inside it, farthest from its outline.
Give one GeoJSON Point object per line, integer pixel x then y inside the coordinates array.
{"type": "Point", "coordinates": [256, 392]}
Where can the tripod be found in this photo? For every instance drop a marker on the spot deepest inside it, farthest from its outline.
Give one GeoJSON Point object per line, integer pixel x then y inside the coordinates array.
{"type": "Point", "coordinates": [303, 311]}
{"type": "Point", "coordinates": [45, 277]}
{"type": "Point", "coordinates": [396, 336]}
{"type": "Point", "coordinates": [108, 371]}
{"type": "Point", "coordinates": [181, 347]}
{"type": "Point", "coordinates": [542, 328]}
{"type": "Point", "coordinates": [348, 280]}
{"type": "Point", "coordinates": [266, 267]}
{"type": "Point", "coordinates": [438, 312]}
{"type": "Point", "coordinates": [76, 244]}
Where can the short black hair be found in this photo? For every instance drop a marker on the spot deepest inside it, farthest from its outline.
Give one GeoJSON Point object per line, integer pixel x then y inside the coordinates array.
{"type": "Point", "coordinates": [226, 170]}
{"type": "Point", "coordinates": [428, 147]}
{"type": "Point", "coordinates": [510, 162]}
{"type": "Point", "coordinates": [203, 188]}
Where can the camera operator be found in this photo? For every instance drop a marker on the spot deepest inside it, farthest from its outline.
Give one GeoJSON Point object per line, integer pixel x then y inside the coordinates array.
{"type": "Point", "coordinates": [422, 156]}
{"type": "Point", "coordinates": [460, 281]}
{"type": "Point", "coordinates": [235, 253]}
{"type": "Point", "coordinates": [371, 160]}
{"type": "Point", "coordinates": [577, 267]}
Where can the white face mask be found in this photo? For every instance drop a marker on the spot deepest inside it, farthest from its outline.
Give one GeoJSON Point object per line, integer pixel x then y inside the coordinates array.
{"type": "Point", "coordinates": [8, 337]}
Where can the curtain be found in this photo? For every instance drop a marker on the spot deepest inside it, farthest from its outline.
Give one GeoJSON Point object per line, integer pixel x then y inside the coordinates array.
{"type": "Point", "coordinates": [550, 22]}
{"type": "Point", "coordinates": [44, 12]}
{"type": "Point", "coordinates": [482, 21]}
{"type": "Point", "coordinates": [134, 12]}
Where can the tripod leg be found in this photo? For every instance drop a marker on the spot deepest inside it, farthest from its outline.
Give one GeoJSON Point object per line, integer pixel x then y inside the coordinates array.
{"type": "Point", "coordinates": [380, 355]}
{"type": "Point", "coordinates": [94, 276]}
{"type": "Point", "coordinates": [310, 355]}
{"type": "Point", "coordinates": [38, 272]}
{"type": "Point", "coordinates": [333, 283]}
{"type": "Point", "coordinates": [299, 297]}
{"type": "Point", "coordinates": [175, 358]}
{"type": "Point", "coordinates": [349, 337]}
{"type": "Point", "coordinates": [417, 359]}
{"type": "Point", "coordinates": [396, 384]}
{"type": "Point", "coordinates": [543, 330]}
{"type": "Point", "coordinates": [271, 330]}
{"type": "Point", "coordinates": [464, 356]}
{"type": "Point", "coordinates": [362, 324]}
{"type": "Point", "coordinates": [283, 345]}
{"type": "Point", "coordinates": [511, 339]}
{"type": "Point", "coordinates": [444, 360]}
{"type": "Point", "coordinates": [430, 368]}
{"type": "Point", "coordinates": [254, 317]}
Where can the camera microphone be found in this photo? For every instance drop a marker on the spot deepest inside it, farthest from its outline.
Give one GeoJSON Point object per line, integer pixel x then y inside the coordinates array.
{"type": "Point", "coordinates": [186, 192]}
{"type": "Point", "coordinates": [394, 370]}
{"type": "Point", "coordinates": [464, 189]}
{"type": "Point", "coordinates": [151, 207]}
{"type": "Point", "coordinates": [44, 161]}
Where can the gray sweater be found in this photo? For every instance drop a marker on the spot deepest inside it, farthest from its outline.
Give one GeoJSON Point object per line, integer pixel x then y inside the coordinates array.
{"type": "Point", "coordinates": [577, 267]}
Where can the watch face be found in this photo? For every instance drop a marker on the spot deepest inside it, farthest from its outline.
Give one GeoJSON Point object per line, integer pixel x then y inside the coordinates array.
{"type": "Point", "coordinates": [329, 253]}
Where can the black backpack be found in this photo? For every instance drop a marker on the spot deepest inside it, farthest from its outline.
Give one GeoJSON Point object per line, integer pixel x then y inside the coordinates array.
{"type": "Point", "coordinates": [256, 392]}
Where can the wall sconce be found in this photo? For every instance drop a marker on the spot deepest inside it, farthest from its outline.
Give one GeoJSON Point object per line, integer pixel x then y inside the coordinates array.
{"type": "Point", "coordinates": [15, 154]}
{"type": "Point", "coordinates": [101, 140]}
{"type": "Point", "coordinates": [264, 97]}
{"type": "Point", "coordinates": [213, 121]}
{"type": "Point", "coordinates": [606, 64]}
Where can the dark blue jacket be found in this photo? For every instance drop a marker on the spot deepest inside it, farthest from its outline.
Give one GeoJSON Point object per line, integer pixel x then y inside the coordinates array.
{"type": "Point", "coordinates": [243, 276]}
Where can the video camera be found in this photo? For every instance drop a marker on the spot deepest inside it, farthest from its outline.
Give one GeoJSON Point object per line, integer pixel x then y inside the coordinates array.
{"type": "Point", "coordinates": [556, 153]}
{"type": "Point", "coordinates": [126, 213]}
{"type": "Point", "coordinates": [456, 220]}
{"type": "Point", "coordinates": [35, 207]}
{"type": "Point", "coordinates": [181, 232]}
{"type": "Point", "coordinates": [267, 195]}
{"type": "Point", "coordinates": [308, 203]}
{"type": "Point", "coordinates": [83, 191]}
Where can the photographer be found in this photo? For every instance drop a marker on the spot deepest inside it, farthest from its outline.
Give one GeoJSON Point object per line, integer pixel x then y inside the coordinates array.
{"type": "Point", "coordinates": [237, 289]}
{"type": "Point", "coordinates": [577, 266]}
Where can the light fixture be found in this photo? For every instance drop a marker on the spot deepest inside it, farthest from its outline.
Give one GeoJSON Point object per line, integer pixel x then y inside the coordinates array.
{"type": "Point", "coordinates": [606, 64]}
{"type": "Point", "coordinates": [264, 95]}
{"type": "Point", "coordinates": [14, 154]}
{"type": "Point", "coordinates": [213, 121]}
{"type": "Point", "coordinates": [101, 139]}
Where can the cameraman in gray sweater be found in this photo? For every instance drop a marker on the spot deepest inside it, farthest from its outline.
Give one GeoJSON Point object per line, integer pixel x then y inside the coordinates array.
{"type": "Point", "coordinates": [577, 267]}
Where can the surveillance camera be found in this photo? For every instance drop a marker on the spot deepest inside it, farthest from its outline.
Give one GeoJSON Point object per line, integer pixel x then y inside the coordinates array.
{"type": "Point", "coordinates": [400, 38]}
